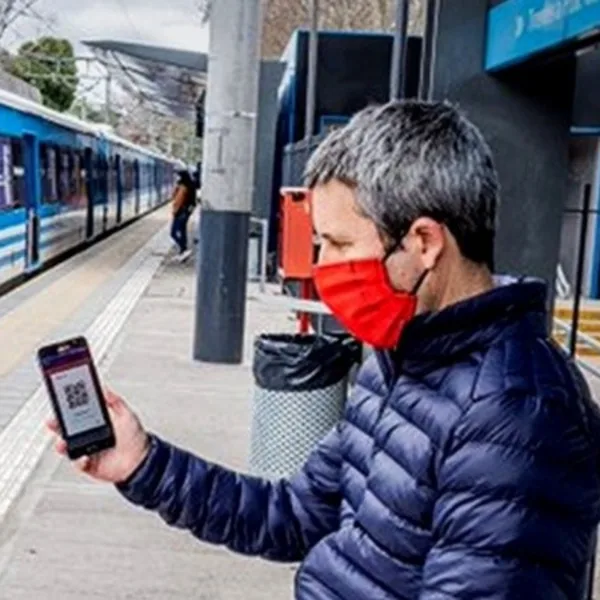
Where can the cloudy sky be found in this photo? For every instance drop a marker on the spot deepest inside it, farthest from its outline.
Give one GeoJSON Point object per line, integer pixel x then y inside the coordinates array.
{"type": "Point", "coordinates": [172, 23]}
{"type": "Point", "coordinates": [164, 22]}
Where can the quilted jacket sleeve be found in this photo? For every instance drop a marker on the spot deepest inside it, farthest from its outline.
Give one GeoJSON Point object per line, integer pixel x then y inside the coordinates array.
{"type": "Point", "coordinates": [517, 504]}
{"type": "Point", "coordinates": [277, 520]}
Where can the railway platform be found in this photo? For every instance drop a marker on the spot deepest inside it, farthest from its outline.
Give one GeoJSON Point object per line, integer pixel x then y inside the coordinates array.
{"type": "Point", "coordinates": [63, 536]}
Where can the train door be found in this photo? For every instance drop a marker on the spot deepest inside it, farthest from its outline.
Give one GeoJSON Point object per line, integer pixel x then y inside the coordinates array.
{"type": "Point", "coordinates": [156, 186]}
{"type": "Point", "coordinates": [33, 190]}
{"type": "Point", "coordinates": [119, 184]}
{"type": "Point", "coordinates": [137, 184]}
{"type": "Point", "coordinates": [90, 187]}
{"type": "Point", "coordinates": [104, 185]}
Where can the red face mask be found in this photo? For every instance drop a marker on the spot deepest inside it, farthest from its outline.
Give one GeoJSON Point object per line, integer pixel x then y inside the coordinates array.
{"type": "Point", "coordinates": [361, 297]}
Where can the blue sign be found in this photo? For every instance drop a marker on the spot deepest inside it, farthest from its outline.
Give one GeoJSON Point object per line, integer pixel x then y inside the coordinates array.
{"type": "Point", "coordinates": [518, 29]}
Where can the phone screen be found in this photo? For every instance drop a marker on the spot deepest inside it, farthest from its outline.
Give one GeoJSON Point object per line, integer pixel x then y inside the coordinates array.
{"type": "Point", "coordinates": [69, 373]}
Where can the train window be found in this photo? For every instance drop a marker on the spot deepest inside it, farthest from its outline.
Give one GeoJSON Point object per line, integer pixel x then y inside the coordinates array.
{"type": "Point", "coordinates": [132, 181]}
{"type": "Point", "coordinates": [95, 177]}
{"type": "Point", "coordinates": [6, 191]}
{"type": "Point", "coordinates": [80, 177]}
{"type": "Point", "coordinates": [68, 177]}
{"type": "Point", "coordinates": [12, 174]}
{"type": "Point", "coordinates": [74, 173]}
{"type": "Point", "coordinates": [58, 171]}
{"type": "Point", "coordinates": [104, 175]}
{"type": "Point", "coordinates": [18, 172]}
{"type": "Point", "coordinates": [125, 174]}
{"type": "Point", "coordinates": [44, 169]}
{"type": "Point", "coordinates": [48, 162]}
{"type": "Point", "coordinates": [63, 173]}
{"type": "Point", "coordinates": [53, 165]}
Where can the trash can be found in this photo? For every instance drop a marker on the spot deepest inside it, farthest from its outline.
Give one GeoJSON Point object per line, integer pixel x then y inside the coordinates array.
{"type": "Point", "coordinates": [299, 395]}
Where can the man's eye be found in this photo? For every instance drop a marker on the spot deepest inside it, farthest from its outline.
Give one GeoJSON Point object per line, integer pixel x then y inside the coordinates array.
{"type": "Point", "coordinates": [340, 245]}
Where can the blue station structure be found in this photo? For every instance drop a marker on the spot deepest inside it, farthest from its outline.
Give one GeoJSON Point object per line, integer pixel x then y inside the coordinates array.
{"type": "Point", "coordinates": [525, 71]}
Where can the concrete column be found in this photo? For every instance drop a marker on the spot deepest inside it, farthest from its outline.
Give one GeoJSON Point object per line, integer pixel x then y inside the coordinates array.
{"type": "Point", "coordinates": [228, 179]}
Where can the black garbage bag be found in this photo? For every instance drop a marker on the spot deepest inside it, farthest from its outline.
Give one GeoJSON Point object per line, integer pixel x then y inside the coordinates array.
{"type": "Point", "coordinates": [301, 384]}
{"type": "Point", "coordinates": [288, 362]}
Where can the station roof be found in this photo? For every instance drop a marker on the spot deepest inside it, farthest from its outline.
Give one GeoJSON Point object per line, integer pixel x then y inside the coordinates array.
{"type": "Point", "coordinates": [169, 79]}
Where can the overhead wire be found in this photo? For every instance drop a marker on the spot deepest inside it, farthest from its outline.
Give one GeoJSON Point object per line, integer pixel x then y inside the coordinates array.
{"type": "Point", "coordinates": [151, 103]}
{"type": "Point", "coordinates": [127, 14]}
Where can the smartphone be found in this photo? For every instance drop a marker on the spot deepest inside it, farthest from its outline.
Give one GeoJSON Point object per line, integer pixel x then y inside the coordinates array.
{"type": "Point", "coordinates": [76, 395]}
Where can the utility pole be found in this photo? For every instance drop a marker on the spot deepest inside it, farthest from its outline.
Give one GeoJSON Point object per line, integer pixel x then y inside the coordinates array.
{"type": "Point", "coordinates": [170, 130]}
{"type": "Point", "coordinates": [82, 110]}
{"type": "Point", "coordinates": [107, 90]}
{"type": "Point", "coordinates": [428, 53]}
{"type": "Point", "coordinates": [108, 100]}
{"type": "Point", "coordinates": [228, 172]}
{"type": "Point", "coordinates": [398, 66]}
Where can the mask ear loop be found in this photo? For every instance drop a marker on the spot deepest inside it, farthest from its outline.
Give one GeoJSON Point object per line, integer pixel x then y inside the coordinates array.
{"type": "Point", "coordinates": [391, 250]}
{"type": "Point", "coordinates": [419, 282]}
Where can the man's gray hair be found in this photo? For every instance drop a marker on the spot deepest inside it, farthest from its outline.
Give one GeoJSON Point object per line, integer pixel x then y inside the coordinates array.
{"type": "Point", "coordinates": [409, 159]}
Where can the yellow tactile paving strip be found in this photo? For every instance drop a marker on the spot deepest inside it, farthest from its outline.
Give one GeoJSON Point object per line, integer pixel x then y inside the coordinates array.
{"type": "Point", "coordinates": [26, 327]}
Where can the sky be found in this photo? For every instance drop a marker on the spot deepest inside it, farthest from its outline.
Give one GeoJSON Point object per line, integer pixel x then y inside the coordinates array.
{"type": "Point", "coordinates": [163, 22]}
{"type": "Point", "coordinates": [172, 23]}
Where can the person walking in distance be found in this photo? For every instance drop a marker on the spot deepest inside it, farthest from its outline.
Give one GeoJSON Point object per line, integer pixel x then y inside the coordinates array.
{"type": "Point", "coordinates": [183, 204]}
{"type": "Point", "coordinates": [466, 465]}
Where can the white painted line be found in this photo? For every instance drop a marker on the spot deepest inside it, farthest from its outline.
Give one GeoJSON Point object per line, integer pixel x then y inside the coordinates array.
{"type": "Point", "coordinates": [24, 440]}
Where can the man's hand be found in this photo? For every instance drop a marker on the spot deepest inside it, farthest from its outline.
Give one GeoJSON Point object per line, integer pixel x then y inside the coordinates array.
{"type": "Point", "coordinates": [119, 463]}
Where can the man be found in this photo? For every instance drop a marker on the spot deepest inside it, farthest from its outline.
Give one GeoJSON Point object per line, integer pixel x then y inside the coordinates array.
{"type": "Point", "coordinates": [466, 466]}
{"type": "Point", "coordinates": [184, 202]}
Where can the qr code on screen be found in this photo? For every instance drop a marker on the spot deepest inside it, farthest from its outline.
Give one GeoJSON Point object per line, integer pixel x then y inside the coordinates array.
{"type": "Point", "coordinates": [76, 395]}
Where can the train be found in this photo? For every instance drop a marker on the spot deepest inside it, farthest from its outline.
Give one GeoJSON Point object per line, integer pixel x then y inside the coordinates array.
{"type": "Point", "coordinates": [65, 183]}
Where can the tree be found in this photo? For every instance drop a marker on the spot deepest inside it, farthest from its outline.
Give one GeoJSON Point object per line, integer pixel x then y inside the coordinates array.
{"type": "Point", "coordinates": [49, 64]}
{"type": "Point", "coordinates": [94, 114]}
{"type": "Point", "coordinates": [174, 136]}
{"type": "Point", "coordinates": [281, 18]}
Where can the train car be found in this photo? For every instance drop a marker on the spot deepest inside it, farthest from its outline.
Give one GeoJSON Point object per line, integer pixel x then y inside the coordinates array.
{"type": "Point", "coordinates": [65, 182]}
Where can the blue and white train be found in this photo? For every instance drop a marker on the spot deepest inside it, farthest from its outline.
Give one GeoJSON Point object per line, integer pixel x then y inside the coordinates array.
{"type": "Point", "coordinates": [64, 182]}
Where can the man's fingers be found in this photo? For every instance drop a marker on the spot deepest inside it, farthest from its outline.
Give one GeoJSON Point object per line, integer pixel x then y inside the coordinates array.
{"type": "Point", "coordinates": [113, 401]}
{"type": "Point", "coordinates": [83, 464]}
{"type": "Point", "coordinates": [61, 446]}
{"type": "Point", "coordinates": [52, 425]}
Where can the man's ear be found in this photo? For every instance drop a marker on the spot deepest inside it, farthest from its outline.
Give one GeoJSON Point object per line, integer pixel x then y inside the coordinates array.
{"type": "Point", "coordinates": [428, 238]}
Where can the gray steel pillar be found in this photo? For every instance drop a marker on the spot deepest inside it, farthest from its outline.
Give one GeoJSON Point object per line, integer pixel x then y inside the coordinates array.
{"type": "Point", "coordinates": [311, 88]}
{"type": "Point", "coordinates": [398, 66]}
{"type": "Point", "coordinates": [228, 179]}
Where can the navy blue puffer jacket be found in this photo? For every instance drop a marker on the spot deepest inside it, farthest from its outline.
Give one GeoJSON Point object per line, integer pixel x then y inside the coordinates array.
{"type": "Point", "coordinates": [466, 467]}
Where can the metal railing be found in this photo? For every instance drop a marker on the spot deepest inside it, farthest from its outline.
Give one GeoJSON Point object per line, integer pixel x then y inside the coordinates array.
{"type": "Point", "coordinates": [573, 338]}
{"type": "Point", "coordinates": [563, 287]}
{"type": "Point", "coordinates": [583, 338]}
{"type": "Point", "coordinates": [263, 254]}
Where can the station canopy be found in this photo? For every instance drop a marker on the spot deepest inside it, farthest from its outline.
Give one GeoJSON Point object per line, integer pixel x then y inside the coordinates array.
{"type": "Point", "coordinates": [171, 81]}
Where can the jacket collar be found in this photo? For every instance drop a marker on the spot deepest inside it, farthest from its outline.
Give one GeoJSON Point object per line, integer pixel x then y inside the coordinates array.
{"type": "Point", "coordinates": [474, 323]}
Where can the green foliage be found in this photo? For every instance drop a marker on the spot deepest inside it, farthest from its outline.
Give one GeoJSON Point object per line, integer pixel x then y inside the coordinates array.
{"type": "Point", "coordinates": [84, 110]}
{"type": "Point", "coordinates": [49, 65]}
